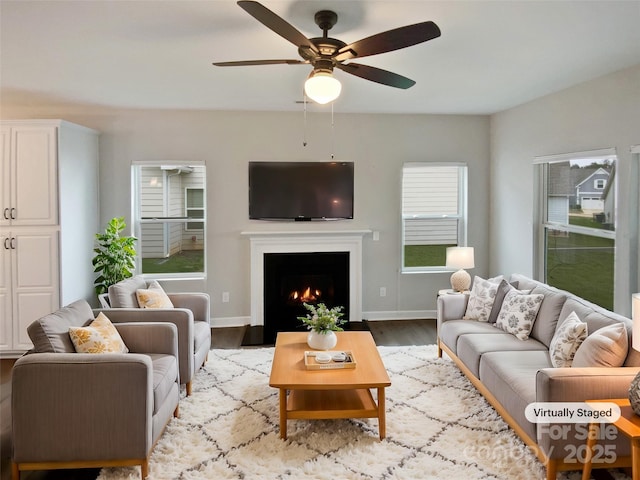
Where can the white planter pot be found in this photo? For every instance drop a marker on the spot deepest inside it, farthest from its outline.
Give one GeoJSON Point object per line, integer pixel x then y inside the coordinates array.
{"type": "Point", "coordinates": [322, 341]}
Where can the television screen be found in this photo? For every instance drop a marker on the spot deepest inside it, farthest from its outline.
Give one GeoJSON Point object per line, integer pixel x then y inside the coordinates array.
{"type": "Point", "coordinates": [300, 190]}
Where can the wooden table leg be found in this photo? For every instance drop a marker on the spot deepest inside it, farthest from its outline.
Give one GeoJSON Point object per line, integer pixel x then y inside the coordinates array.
{"type": "Point", "coordinates": [635, 459]}
{"type": "Point", "coordinates": [283, 413]}
{"type": "Point", "coordinates": [382, 419]}
{"type": "Point", "coordinates": [588, 454]}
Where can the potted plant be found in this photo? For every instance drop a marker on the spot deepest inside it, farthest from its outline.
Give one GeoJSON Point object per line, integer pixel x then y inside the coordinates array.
{"type": "Point", "coordinates": [115, 255]}
{"type": "Point", "coordinates": [322, 323]}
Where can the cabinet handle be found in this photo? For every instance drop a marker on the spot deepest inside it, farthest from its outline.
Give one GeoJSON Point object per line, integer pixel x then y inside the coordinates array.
{"type": "Point", "coordinates": [6, 243]}
{"type": "Point", "coordinates": [13, 243]}
{"type": "Point", "coordinates": [13, 213]}
{"type": "Point", "coordinates": [6, 213]}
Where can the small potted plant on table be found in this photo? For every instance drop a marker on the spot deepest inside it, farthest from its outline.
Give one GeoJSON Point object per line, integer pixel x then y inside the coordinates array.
{"type": "Point", "coordinates": [322, 323]}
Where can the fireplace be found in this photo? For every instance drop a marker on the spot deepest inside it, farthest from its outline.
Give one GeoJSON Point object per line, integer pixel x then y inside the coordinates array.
{"type": "Point", "coordinates": [267, 242]}
{"type": "Point", "coordinates": [292, 279]}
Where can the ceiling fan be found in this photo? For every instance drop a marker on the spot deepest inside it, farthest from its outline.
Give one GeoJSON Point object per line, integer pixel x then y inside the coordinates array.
{"type": "Point", "coordinates": [326, 53]}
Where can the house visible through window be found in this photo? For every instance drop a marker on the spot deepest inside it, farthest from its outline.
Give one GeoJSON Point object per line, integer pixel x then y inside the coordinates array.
{"type": "Point", "coordinates": [169, 219]}
{"type": "Point", "coordinates": [434, 214]}
{"type": "Point", "coordinates": [577, 223]}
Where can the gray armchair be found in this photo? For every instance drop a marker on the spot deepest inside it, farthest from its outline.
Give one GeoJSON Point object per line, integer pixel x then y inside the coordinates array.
{"type": "Point", "coordinates": [191, 315]}
{"type": "Point", "coordinates": [87, 410]}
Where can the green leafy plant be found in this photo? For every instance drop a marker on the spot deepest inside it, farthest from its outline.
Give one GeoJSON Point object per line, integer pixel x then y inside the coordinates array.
{"type": "Point", "coordinates": [321, 319]}
{"type": "Point", "coordinates": [114, 258]}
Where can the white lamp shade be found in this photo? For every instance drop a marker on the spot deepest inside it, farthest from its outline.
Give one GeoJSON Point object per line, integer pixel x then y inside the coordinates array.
{"type": "Point", "coordinates": [322, 87]}
{"type": "Point", "coordinates": [635, 315]}
{"type": "Point", "coordinates": [460, 257]}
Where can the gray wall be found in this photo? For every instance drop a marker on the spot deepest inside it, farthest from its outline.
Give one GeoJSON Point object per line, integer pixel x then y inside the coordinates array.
{"type": "Point", "coordinates": [601, 113]}
{"type": "Point", "coordinates": [226, 141]}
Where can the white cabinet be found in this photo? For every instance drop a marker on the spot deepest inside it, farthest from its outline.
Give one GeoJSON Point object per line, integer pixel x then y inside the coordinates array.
{"type": "Point", "coordinates": [49, 216]}
{"type": "Point", "coordinates": [29, 289]}
{"type": "Point", "coordinates": [29, 189]}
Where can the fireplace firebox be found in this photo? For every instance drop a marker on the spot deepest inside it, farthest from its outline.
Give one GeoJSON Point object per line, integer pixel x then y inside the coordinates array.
{"type": "Point", "coordinates": [292, 279]}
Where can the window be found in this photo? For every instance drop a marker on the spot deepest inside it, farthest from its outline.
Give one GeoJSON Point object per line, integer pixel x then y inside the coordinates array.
{"type": "Point", "coordinates": [434, 214]}
{"type": "Point", "coordinates": [599, 183]}
{"type": "Point", "coordinates": [194, 208]}
{"type": "Point", "coordinates": [576, 247]}
{"type": "Point", "coordinates": [170, 219]}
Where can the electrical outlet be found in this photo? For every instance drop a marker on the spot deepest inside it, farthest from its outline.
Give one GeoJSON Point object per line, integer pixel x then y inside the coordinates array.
{"type": "Point", "coordinates": [225, 297]}
{"type": "Point", "coordinates": [376, 236]}
{"type": "Point", "coordinates": [383, 291]}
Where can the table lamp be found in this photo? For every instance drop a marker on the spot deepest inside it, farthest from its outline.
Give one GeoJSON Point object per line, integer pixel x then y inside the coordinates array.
{"type": "Point", "coordinates": [634, 389]}
{"type": "Point", "coordinates": [460, 258]}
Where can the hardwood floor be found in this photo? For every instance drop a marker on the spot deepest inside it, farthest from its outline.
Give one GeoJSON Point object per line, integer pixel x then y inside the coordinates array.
{"type": "Point", "coordinates": [393, 332]}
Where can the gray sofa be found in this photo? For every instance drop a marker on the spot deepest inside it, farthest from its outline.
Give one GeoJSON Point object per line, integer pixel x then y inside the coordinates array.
{"type": "Point", "coordinates": [89, 410]}
{"type": "Point", "coordinates": [512, 373]}
{"type": "Point", "coordinates": [191, 315]}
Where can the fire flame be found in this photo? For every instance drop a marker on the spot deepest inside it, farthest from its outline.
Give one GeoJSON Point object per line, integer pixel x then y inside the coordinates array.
{"type": "Point", "coordinates": [308, 295]}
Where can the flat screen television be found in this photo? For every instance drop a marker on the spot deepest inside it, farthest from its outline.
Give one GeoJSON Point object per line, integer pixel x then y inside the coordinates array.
{"type": "Point", "coordinates": [300, 191]}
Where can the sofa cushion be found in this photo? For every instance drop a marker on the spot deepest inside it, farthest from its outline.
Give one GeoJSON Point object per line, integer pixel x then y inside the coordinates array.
{"type": "Point", "coordinates": [50, 334]}
{"type": "Point", "coordinates": [606, 347]}
{"type": "Point", "coordinates": [471, 347]}
{"type": "Point", "coordinates": [165, 372]}
{"type": "Point", "coordinates": [450, 331]}
{"type": "Point", "coordinates": [518, 313]}
{"type": "Point", "coordinates": [123, 293]}
{"type": "Point", "coordinates": [511, 378]}
{"type": "Point", "coordinates": [481, 298]}
{"type": "Point", "coordinates": [100, 336]}
{"type": "Point", "coordinates": [153, 297]}
{"type": "Point", "coordinates": [549, 313]}
{"type": "Point", "coordinates": [568, 337]}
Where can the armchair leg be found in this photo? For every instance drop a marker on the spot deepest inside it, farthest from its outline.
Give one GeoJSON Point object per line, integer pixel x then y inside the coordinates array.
{"type": "Point", "coordinates": [144, 469]}
{"type": "Point", "coordinates": [15, 471]}
{"type": "Point", "coordinates": [176, 412]}
{"type": "Point", "coordinates": [188, 389]}
{"type": "Point", "coordinates": [439, 349]}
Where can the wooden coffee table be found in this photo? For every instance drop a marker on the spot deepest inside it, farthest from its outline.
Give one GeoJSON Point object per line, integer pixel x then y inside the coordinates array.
{"type": "Point", "coordinates": [329, 394]}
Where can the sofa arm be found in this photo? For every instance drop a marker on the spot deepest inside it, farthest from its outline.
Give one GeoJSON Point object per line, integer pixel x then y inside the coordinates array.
{"type": "Point", "coordinates": [198, 303]}
{"type": "Point", "coordinates": [182, 318]}
{"type": "Point", "coordinates": [451, 307]}
{"type": "Point", "coordinates": [149, 337]}
{"type": "Point", "coordinates": [76, 406]}
{"type": "Point", "coordinates": [580, 384]}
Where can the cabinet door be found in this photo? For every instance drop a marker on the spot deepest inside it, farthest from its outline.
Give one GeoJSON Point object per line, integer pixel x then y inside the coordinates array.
{"type": "Point", "coordinates": [5, 175]}
{"type": "Point", "coordinates": [6, 340]}
{"type": "Point", "coordinates": [35, 281]}
{"type": "Point", "coordinates": [33, 174]}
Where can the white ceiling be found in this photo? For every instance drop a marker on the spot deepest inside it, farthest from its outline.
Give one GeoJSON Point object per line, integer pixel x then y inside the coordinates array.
{"type": "Point", "coordinates": [492, 55]}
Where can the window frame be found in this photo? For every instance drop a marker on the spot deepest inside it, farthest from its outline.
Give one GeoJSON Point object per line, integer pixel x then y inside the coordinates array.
{"type": "Point", "coordinates": [461, 216]}
{"type": "Point", "coordinates": [541, 221]}
{"type": "Point", "coordinates": [165, 220]}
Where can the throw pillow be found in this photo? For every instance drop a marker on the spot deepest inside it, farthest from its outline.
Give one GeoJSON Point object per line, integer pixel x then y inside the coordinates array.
{"type": "Point", "coordinates": [518, 313]}
{"type": "Point", "coordinates": [606, 347]}
{"type": "Point", "coordinates": [481, 298]}
{"type": "Point", "coordinates": [503, 288]}
{"type": "Point", "coordinates": [153, 297]}
{"type": "Point", "coordinates": [566, 340]}
{"type": "Point", "coordinates": [99, 337]}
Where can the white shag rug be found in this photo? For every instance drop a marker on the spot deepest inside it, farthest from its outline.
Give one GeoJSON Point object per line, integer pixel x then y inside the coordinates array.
{"type": "Point", "coordinates": [438, 427]}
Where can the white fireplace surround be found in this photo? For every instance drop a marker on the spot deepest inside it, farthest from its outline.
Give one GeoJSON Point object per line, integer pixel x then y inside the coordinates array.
{"type": "Point", "coordinates": [305, 241]}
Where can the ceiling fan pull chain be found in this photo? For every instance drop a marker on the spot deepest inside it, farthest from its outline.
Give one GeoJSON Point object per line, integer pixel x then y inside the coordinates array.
{"type": "Point", "coordinates": [333, 134]}
{"type": "Point", "coordinates": [304, 133]}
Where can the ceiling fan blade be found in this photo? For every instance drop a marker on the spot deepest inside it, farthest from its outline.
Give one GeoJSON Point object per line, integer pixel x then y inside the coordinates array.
{"type": "Point", "coordinates": [277, 24]}
{"type": "Point", "coordinates": [245, 63]}
{"type": "Point", "coordinates": [390, 40]}
{"type": "Point", "coordinates": [377, 75]}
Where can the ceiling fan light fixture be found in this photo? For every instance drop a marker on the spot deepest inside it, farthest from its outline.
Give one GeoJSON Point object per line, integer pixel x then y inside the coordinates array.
{"type": "Point", "coordinates": [322, 87]}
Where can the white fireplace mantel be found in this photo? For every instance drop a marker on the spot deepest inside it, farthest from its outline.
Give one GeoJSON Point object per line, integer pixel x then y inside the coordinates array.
{"type": "Point", "coordinates": [263, 242]}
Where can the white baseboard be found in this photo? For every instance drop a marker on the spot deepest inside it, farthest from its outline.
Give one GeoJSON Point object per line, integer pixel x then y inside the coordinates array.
{"type": "Point", "coordinates": [399, 315]}
{"type": "Point", "coordinates": [223, 322]}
